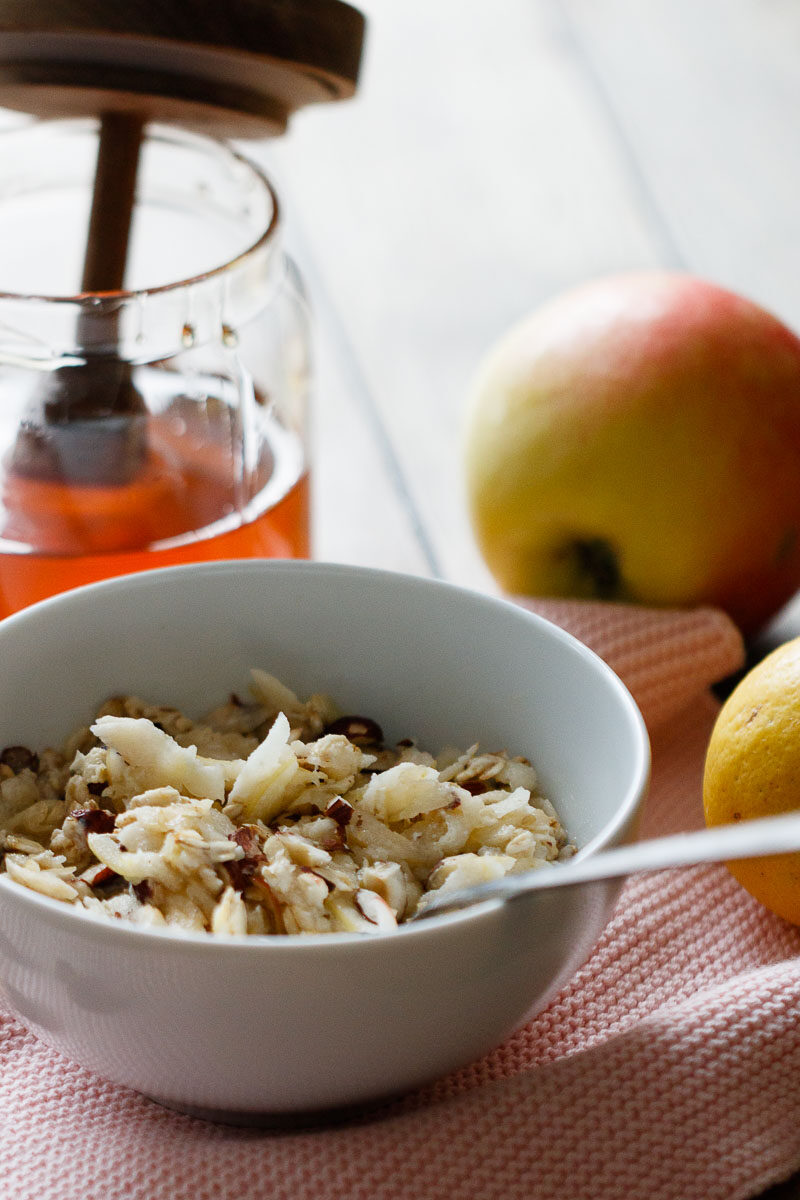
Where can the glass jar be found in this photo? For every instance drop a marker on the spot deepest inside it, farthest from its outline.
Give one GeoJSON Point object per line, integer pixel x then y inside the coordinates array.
{"type": "Point", "coordinates": [159, 424]}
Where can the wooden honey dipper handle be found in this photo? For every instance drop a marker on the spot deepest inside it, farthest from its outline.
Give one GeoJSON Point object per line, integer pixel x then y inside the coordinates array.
{"type": "Point", "coordinates": [113, 200]}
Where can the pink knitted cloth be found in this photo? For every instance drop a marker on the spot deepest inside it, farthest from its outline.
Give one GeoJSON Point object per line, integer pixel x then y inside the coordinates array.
{"type": "Point", "coordinates": [668, 1069]}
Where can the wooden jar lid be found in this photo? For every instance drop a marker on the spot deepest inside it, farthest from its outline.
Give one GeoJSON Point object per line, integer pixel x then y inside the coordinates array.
{"type": "Point", "coordinates": [234, 68]}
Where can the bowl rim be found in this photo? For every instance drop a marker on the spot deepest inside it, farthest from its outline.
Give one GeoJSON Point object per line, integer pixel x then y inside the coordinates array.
{"type": "Point", "coordinates": [284, 943]}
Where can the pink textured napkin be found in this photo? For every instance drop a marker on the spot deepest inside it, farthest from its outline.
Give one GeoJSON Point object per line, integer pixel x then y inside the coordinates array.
{"type": "Point", "coordinates": [668, 1068]}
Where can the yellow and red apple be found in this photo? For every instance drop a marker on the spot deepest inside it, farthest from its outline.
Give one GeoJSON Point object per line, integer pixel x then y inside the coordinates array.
{"type": "Point", "coordinates": [638, 438]}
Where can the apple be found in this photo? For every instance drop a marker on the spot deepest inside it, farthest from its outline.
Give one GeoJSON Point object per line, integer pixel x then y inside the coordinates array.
{"type": "Point", "coordinates": [638, 438]}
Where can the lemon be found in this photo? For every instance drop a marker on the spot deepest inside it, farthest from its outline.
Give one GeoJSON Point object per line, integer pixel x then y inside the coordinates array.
{"type": "Point", "coordinates": [753, 770]}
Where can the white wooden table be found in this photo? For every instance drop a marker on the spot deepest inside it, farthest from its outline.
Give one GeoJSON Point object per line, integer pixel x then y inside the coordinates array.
{"type": "Point", "coordinates": [496, 153]}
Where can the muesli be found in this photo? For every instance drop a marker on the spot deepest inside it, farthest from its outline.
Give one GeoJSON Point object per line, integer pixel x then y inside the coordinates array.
{"type": "Point", "coordinates": [270, 815]}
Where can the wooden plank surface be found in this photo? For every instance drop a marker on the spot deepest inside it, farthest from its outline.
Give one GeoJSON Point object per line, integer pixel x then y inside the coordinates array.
{"type": "Point", "coordinates": [362, 512]}
{"type": "Point", "coordinates": [472, 176]}
{"type": "Point", "coordinates": [497, 153]}
{"type": "Point", "coordinates": [706, 96]}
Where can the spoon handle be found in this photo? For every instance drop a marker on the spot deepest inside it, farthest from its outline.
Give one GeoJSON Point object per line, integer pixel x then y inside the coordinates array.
{"type": "Point", "coordinates": [750, 839]}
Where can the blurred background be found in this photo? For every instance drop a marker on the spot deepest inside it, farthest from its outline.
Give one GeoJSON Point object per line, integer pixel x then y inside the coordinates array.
{"type": "Point", "coordinates": [496, 153]}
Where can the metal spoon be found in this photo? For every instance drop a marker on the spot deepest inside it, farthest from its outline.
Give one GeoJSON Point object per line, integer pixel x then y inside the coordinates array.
{"type": "Point", "coordinates": [750, 839]}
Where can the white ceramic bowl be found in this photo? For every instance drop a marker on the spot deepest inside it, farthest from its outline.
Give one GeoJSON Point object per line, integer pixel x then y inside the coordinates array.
{"type": "Point", "coordinates": [297, 1024]}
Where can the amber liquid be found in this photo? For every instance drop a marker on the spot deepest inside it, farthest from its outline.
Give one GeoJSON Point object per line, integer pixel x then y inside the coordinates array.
{"type": "Point", "coordinates": [179, 508]}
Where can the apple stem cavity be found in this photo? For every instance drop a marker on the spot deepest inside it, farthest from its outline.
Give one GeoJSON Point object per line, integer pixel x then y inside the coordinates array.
{"type": "Point", "coordinates": [594, 567]}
